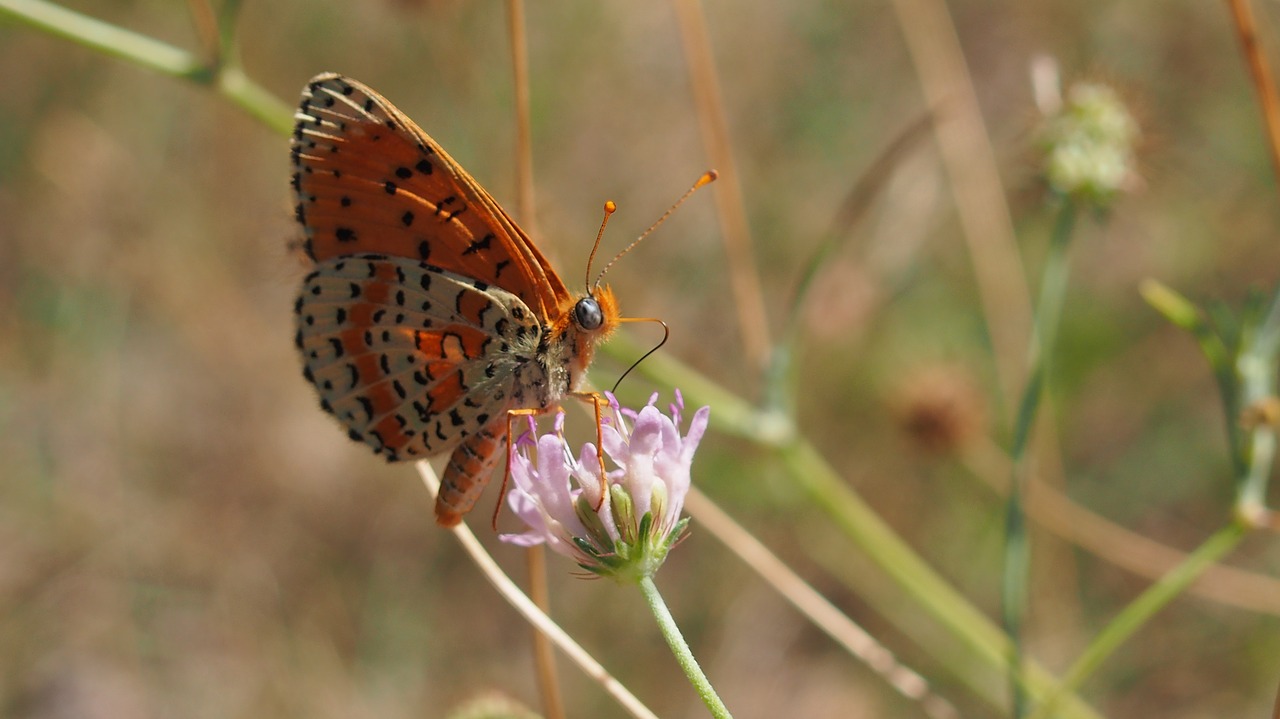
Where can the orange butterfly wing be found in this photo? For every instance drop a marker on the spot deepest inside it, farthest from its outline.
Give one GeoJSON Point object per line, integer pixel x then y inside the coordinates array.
{"type": "Point", "coordinates": [368, 179]}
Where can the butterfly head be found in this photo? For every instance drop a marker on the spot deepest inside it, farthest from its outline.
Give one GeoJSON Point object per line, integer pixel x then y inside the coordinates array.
{"type": "Point", "coordinates": [588, 321]}
{"type": "Point", "coordinates": [592, 312]}
{"type": "Point", "coordinates": [596, 313]}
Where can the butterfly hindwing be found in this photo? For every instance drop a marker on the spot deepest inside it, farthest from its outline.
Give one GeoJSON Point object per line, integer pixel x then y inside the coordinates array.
{"type": "Point", "coordinates": [411, 358]}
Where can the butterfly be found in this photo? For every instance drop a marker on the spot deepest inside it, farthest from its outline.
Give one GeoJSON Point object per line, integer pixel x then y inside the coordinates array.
{"type": "Point", "coordinates": [430, 316]}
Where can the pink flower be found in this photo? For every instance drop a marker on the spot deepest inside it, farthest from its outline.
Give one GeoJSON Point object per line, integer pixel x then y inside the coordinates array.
{"type": "Point", "coordinates": [638, 520]}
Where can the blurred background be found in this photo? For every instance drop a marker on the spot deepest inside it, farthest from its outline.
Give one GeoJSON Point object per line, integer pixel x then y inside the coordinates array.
{"type": "Point", "coordinates": [184, 533]}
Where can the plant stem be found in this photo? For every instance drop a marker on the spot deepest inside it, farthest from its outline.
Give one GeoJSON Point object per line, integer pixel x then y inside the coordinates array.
{"type": "Point", "coordinates": [1053, 287]}
{"type": "Point", "coordinates": [931, 592]}
{"type": "Point", "coordinates": [1142, 609]}
{"type": "Point", "coordinates": [103, 37]}
{"type": "Point", "coordinates": [684, 657]}
{"type": "Point", "coordinates": [1256, 369]}
{"type": "Point", "coordinates": [1263, 83]}
{"type": "Point", "coordinates": [227, 80]}
{"type": "Point", "coordinates": [254, 99]}
{"type": "Point", "coordinates": [530, 611]}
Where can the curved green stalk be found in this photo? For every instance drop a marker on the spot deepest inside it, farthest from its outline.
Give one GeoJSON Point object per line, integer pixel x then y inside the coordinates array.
{"type": "Point", "coordinates": [778, 377]}
{"type": "Point", "coordinates": [1256, 369]}
{"type": "Point", "coordinates": [227, 80]}
{"type": "Point", "coordinates": [254, 99]}
{"type": "Point", "coordinates": [680, 648]}
{"type": "Point", "coordinates": [104, 37]}
{"type": "Point", "coordinates": [1053, 287]}
{"type": "Point", "coordinates": [1245, 371]}
{"type": "Point", "coordinates": [1142, 609]}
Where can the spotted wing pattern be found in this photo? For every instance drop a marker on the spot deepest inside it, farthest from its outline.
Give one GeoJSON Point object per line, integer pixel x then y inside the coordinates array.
{"type": "Point", "coordinates": [367, 179]}
{"type": "Point", "coordinates": [415, 360]}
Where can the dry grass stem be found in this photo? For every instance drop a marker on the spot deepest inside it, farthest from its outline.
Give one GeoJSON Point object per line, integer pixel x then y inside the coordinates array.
{"type": "Point", "coordinates": [530, 611]}
{"type": "Point", "coordinates": [815, 607]}
{"type": "Point", "coordinates": [975, 181]}
{"type": "Point", "coordinates": [745, 278]}
{"type": "Point", "coordinates": [1263, 82]}
{"type": "Point", "coordinates": [543, 657]}
{"type": "Point", "coordinates": [526, 207]}
{"type": "Point", "coordinates": [1055, 512]}
{"type": "Point", "coordinates": [205, 22]}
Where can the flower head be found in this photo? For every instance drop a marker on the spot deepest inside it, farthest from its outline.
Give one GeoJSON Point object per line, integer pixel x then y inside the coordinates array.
{"type": "Point", "coordinates": [626, 532]}
{"type": "Point", "coordinates": [1090, 142]}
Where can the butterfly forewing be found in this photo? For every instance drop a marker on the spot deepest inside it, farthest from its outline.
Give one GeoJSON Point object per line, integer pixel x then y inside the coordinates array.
{"type": "Point", "coordinates": [367, 179]}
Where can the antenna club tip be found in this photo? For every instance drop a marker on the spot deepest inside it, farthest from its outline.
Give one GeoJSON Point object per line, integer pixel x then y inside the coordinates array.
{"type": "Point", "coordinates": [707, 178]}
{"type": "Point", "coordinates": [610, 207]}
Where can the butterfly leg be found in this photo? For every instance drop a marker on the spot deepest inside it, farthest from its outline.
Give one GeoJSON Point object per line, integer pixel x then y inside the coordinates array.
{"type": "Point", "coordinates": [597, 400]}
{"type": "Point", "coordinates": [511, 454]}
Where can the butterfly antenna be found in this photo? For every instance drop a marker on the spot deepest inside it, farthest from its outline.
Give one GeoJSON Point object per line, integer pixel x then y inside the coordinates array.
{"type": "Point", "coordinates": [609, 209]}
{"type": "Point", "coordinates": [666, 333]}
{"type": "Point", "coordinates": [707, 178]}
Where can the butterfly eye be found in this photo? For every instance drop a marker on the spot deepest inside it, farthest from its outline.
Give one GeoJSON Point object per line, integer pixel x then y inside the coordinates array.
{"type": "Point", "coordinates": [587, 314]}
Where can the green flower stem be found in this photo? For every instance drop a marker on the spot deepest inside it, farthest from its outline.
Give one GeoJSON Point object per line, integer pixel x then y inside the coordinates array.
{"type": "Point", "coordinates": [1053, 287]}
{"type": "Point", "coordinates": [227, 16]}
{"type": "Point", "coordinates": [934, 595]}
{"type": "Point", "coordinates": [104, 37]}
{"type": "Point", "coordinates": [152, 54]}
{"type": "Point", "coordinates": [254, 99]}
{"type": "Point", "coordinates": [675, 640]}
{"type": "Point", "coordinates": [1182, 313]}
{"type": "Point", "coordinates": [1142, 609]}
{"type": "Point", "coordinates": [1245, 376]}
{"type": "Point", "coordinates": [1256, 368]}
{"type": "Point", "coordinates": [1247, 379]}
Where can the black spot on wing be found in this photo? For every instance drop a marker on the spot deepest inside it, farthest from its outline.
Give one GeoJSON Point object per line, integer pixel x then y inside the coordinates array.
{"type": "Point", "coordinates": [481, 244]}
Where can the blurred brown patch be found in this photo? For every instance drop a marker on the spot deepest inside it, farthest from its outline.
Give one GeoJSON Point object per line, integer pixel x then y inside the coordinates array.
{"type": "Point", "coordinates": [940, 408]}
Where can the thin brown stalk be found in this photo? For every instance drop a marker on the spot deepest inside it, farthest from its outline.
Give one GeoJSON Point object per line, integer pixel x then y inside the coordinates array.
{"type": "Point", "coordinates": [525, 205]}
{"type": "Point", "coordinates": [544, 659]}
{"type": "Point", "coordinates": [206, 27]}
{"type": "Point", "coordinates": [975, 181]}
{"type": "Point", "coordinates": [530, 611]}
{"type": "Point", "coordinates": [815, 607]}
{"type": "Point", "coordinates": [731, 209]}
{"type": "Point", "coordinates": [1055, 512]}
{"type": "Point", "coordinates": [1263, 82]}
{"type": "Point", "coordinates": [543, 656]}
{"type": "Point", "coordinates": [1275, 709]}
